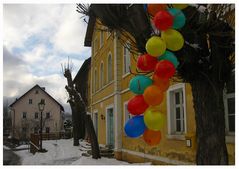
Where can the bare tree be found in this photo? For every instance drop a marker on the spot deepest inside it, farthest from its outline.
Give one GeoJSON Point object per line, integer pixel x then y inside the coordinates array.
{"type": "Point", "coordinates": [81, 121]}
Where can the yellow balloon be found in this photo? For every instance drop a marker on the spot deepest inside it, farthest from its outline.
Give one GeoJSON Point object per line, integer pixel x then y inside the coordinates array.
{"type": "Point", "coordinates": [154, 120]}
{"type": "Point", "coordinates": [174, 39]}
{"type": "Point", "coordinates": [155, 46]}
{"type": "Point", "coordinates": [180, 6]}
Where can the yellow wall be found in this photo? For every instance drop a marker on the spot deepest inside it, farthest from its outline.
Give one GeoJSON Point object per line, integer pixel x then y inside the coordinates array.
{"type": "Point", "coordinates": [169, 148]}
{"type": "Point", "coordinates": [102, 97]}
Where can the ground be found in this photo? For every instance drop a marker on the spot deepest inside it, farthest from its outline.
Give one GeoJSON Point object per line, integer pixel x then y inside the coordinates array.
{"type": "Point", "coordinates": [62, 152]}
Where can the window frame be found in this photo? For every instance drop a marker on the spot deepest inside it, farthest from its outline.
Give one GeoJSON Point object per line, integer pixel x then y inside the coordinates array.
{"type": "Point", "coordinates": [101, 39]}
{"type": "Point", "coordinates": [108, 34]}
{"type": "Point", "coordinates": [36, 113]}
{"type": "Point", "coordinates": [24, 115]}
{"type": "Point", "coordinates": [43, 101]}
{"type": "Point", "coordinates": [95, 46]}
{"type": "Point", "coordinates": [126, 112]}
{"type": "Point", "coordinates": [30, 101]}
{"type": "Point", "coordinates": [170, 117]}
{"type": "Point", "coordinates": [226, 97]}
{"type": "Point", "coordinates": [101, 74]}
{"type": "Point", "coordinates": [48, 115]}
{"type": "Point", "coordinates": [126, 54]}
{"type": "Point", "coordinates": [95, 80]}
{"type": "Point", "coordinates": [109, 68]}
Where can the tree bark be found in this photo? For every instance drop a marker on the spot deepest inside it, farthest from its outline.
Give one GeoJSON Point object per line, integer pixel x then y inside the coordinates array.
{"type": "Point", "coordinates": [93, 139]}
{"type": "Point", "coordinates": [210, 122]}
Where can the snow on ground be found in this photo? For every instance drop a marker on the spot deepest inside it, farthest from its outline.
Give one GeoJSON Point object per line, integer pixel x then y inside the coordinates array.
{"type": "Point", "coordinates": [62, 152]}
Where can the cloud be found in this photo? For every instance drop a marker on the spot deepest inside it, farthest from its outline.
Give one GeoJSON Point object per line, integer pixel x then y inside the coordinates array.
{"type": "Point", "coordinates": [59, 24]}
{"type": "Point", "coordinates": [70, 33]}
{"type": "Point", "coordinates": [18, 80]}
{"type": "Point", "coordinates": [37, 39]}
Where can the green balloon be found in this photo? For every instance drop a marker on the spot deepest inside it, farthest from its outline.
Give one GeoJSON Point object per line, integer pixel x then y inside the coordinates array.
{"type": "Point", "coordinates": [179, 18]}
{"type": "Point", "coordinates": [170, 57]}
{"type": "Point", "coordinates": [139, 83]}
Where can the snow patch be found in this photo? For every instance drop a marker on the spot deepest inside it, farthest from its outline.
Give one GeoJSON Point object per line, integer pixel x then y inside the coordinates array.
{"type": "Point", "coordinates": [62, 152]}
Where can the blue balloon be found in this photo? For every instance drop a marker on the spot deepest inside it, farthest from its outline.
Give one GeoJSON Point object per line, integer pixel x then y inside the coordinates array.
{"type": "Point", "coordinates": [145, 7]}
{"type": "Point", "coordinates": [170, 57]}
{"type": "Point", "coordinates": [139, 83]}
{"type": "Point", "coordinates": [179, 18]}
{"type": "Point", "coordinates": [135, 126]}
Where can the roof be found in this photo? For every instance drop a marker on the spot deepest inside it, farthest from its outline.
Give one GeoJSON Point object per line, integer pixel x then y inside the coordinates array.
{"type": "Point", "coordinates": [90, 31]}
{"type": "Point", "coordinates": [37, 86]}
{"type": "Point", "coordinates": [81, 80]}
{"type": "Point", "coordinates": [85, 66]}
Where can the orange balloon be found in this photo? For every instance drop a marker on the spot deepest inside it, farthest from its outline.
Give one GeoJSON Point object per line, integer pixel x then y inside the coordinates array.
{"type": "Point", "coordinates": [152, 137]}
{"type": "Point", "coordinates": [154, 8]}
{"type": "Point", "coordinates": [153, 95]}
{"type": "Point", "coordinates": [163, 84]}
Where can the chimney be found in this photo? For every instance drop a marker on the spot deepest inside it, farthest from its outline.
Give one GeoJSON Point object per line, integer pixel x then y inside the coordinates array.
{"type": "Point", "coordinates": [43, 88]}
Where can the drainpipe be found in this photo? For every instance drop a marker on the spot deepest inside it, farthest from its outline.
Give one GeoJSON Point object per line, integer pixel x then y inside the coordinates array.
{"type": "Point", "coordinates": [117, 98]}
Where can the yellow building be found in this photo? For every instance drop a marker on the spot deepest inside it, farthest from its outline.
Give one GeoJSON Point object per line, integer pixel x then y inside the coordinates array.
{"type": "Point", "coordinates": [109, 77]}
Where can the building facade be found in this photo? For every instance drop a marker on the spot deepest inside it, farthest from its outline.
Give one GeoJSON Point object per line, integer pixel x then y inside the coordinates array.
{"type": "Point", "coordinates": [26, 115]}
{"type": "Point", "coordinates": [110, 74]}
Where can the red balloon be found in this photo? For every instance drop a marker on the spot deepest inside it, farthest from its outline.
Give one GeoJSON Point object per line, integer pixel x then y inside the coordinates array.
{"type": "Point", "coordinates": [137, 105]}
{"type": "Point", "coordinates": [163, 20]}
{"type": "Point", "coordinates": [147, 62]}
{"type": "Point", "coordinates": [164, 69]}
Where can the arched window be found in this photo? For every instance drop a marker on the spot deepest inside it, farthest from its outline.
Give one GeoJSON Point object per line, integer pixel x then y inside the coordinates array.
{"type": "Point", "coordinates": [110, 68]}
{"type": "Point", "coordinates": [101, 38]}
{"type": "Point", "coordinates": [95, 79]}
{"type": "Point", "coordinates": [101, 74]}
{"type": "Point", "coordinates": [126, 58]}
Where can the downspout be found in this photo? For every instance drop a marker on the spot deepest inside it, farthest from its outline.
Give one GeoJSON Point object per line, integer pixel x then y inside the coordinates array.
{"type": "Point", "coordinates": [117, 99]}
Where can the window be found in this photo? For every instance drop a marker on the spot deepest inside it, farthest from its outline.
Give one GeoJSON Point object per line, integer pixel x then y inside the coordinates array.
{"type": "Point", "coordinates": [110, 68]}
{"type": "Point", "coordinates": [36, 92]}
{"type": "Point", "coordinates": [36, 115]}
{"type": "Point", "coordinates": [126, 59]}
{"type": "Point", "coordinates": [43, 101]}
{"type": "Point", "coordinates": [176, 109]}
{"type": "Point", "coordinates": [127, 115]}
{"type": "Point", "coordinates": [108, 34]}
{"type": "Point", "coordinates": [95, 45]}
{"type": "Point", "coordinates": [95, 80]}
{"type": "Point", "coordinates": [47, 129]}
{"type": "Point", "coordinates": [35, 129]}
{"type": "Point", "coordinates": [47, 115]}
{"type": "Point", "coordinates": [229, 105]}
{"type": "Point", "coordinates": [30, 101]}
{"type": "Point", "coordinates": [101, 74]}
{"type": "Point", "coordinates": [24, 115]}
{"type": "Point", "coordinates": [101, 38]}
{"type": "Point", "coordinates": [24, 129]}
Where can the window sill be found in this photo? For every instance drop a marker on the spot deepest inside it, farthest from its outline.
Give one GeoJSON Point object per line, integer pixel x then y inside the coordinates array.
{"type": "Point", "coordinates": [176, 137]}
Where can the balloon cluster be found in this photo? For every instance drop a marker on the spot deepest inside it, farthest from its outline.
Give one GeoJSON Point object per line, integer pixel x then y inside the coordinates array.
{"type": "Point", "coordinates": [160, 60]}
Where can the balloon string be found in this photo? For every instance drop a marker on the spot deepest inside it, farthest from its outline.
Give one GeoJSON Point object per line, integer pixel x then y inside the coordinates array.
{"type": "Point", "coordinates": [139, 85]}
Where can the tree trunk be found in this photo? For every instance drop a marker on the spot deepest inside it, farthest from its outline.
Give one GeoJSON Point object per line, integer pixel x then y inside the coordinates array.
{"type": "Point", "coordinates": [210, 122]}
{"type": "Point", "coordinates": [93, 139]}
{"type": "Point", "coordinates": [74, 125]}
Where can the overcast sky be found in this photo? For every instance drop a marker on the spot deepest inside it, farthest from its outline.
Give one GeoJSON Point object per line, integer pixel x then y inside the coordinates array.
{"type": "Point", "coordinates": [37, 38]}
